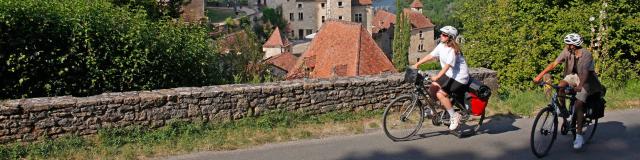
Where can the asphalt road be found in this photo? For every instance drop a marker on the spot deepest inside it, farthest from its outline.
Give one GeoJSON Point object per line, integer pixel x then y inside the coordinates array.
{"type": "Point", "coordinates": [617, 137]}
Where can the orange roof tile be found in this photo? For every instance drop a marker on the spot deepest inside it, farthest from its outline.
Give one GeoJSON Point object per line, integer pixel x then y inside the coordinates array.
{"type": "Point", "coordinates": [382, 20]}
{"type": "Point", "coordinates": [341, 48]}
{"type": "Point", "coordinates": [417, 19]}
{"type": "Point", "coordinates": [416, 4]}
{"type": "Point", "coordinates": [276, 40]}
{"type": "Point", "coordinates": [284, 61]}
{"type": "Point", "coordinates": [363, 2]}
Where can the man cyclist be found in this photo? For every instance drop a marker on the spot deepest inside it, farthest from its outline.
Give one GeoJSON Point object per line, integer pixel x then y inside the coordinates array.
{"type": "Point", "coordinates": [579, 73]}
{"type": "Point", "coordinates": [454, 74]}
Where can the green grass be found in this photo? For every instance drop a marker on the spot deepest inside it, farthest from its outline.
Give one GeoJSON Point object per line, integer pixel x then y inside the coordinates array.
{"type": "Point", "coordinates": [183, 137]}
{"type": "Point", "coordinates": [219, 15]}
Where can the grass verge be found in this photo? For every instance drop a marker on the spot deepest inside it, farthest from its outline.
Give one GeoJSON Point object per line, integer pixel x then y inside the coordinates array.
{"type": "Point", "coordinates": [183, 137]}
{"type": "Point", "coordinates": [527, 103]}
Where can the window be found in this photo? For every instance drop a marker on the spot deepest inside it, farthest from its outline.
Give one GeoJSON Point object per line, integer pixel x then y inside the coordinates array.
{"type": "Point", "coordinates": [300, 33]}
{"type": "Point", "coordinates": [309, 31]}
{"type": "Point", "coordinates": [358, 18]}
{"type": "Point", "coordinates": [420, 47]}
{"type": "Point", "coordinates": [340, 4]}
{"type": "Point", "coordinates": [322, 19]}
{"type": "Point", "coordinates": [300, 16]}
{"type": "Point", "coordinates": [421, 35]}
{"type": "Point", "coordinates": [322, 5]}
{"type": "Point", "coordinates": [290, 16]}
{"type": "Point", "coordinates": [299, 5]}
{"type": "Point", "coordinates": [418, 60]}
{"type": "Point", "coordinates": [340, 17]}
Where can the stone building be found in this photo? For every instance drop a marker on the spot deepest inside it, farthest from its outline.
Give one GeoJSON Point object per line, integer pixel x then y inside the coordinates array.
{"type": "Point", "coordinates": [341, 49]}
{"type": "Point", "coordinates": [305, 17]}
{"type": "Point", "coordinates": [422, 31]}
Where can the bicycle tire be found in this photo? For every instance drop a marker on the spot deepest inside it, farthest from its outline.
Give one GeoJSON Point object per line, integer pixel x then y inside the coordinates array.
{"type": "Point", "coordinates": [394, 128]}
{"type": "Point", "coordinates": [544, 133]}
{"type": "Point", "coordinates": [588, 130]}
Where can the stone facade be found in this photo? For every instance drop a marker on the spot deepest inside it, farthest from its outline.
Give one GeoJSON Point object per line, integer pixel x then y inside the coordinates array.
{"type": "Point", "coordinates": [30, 119]}
{"type": "Point", "coordinates": [315, 12]}
{"type": "Point", "coordinates": [422, 43]}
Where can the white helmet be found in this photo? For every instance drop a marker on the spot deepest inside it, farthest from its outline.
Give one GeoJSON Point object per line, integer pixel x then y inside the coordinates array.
{"type": "Point", "coordinates": [449, 31]}
{"type": "Point", "coordinates": [573, 39]}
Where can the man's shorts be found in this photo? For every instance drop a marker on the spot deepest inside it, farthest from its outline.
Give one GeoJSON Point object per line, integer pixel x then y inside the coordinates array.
{"type": "Point", "coordinates": [573, 80]}
{"type": "Point", "coordinates": [451, 85]}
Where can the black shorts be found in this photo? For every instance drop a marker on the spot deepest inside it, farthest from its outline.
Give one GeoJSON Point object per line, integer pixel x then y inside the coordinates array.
{"type": "Point", "coordinates": [451, 85]}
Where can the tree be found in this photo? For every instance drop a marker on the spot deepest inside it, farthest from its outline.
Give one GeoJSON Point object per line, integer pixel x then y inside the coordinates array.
{"type": "Point", "coordinates": [401, 39]}
{"type": "Point", "coordinates": [156, 9]}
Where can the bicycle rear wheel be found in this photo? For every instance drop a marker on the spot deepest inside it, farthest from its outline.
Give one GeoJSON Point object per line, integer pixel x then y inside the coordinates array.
{"type": "Point", "coordinates": [402, 118]}
{"type": "Point", "coordinates": [544, 132]}
{"type": "Point", "coordinates": [588, 130]}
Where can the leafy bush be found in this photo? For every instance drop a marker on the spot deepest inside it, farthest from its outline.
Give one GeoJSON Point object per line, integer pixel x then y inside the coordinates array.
{"type": "Point", "coordinates": [80, 48]}
{"type": "Point", "coordinates": [518, 38]}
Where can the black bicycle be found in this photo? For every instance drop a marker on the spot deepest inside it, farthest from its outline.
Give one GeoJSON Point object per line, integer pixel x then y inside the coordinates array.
{"type": "Point", "coordinates": [403, 117]}
{"type": "Point", "coordinates": [545, 125]}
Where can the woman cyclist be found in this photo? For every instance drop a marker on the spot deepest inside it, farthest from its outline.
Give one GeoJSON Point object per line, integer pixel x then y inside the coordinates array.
{"type": "Point", "coordinates": [454, 74]}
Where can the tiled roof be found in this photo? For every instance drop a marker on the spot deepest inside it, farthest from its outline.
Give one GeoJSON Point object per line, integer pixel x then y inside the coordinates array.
{"type": "Point", "coordinates": [417, 19]}
{"type": "Point", "coordinates": [416, 4]}
{"type": "Point", "coordinates": [276, 40]}
{"type": "Point", "coordinates": [362, 2]}
{"type": "Point", "coordinates": [284, 61]}
{"type": "Point", "coordinates": [229, 42]}
{"type": "Point", "coordinates": [341, 48]}
{"type": "Point", "coordinates": [382, 20]}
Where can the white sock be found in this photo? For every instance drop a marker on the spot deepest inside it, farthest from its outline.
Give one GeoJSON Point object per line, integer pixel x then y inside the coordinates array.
{"type": "Point", "coordinates": [451, 112]}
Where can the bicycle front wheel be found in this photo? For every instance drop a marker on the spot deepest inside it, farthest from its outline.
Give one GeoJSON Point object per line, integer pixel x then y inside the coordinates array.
{"type": "Point", "coordinates": [402, 118]}
{"type": "Point", "coordinates": [544, 132]}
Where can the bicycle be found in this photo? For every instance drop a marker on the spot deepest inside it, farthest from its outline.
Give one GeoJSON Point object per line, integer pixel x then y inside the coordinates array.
{"type": "Point", "coordinates": [548, 127]}
{"type": "Point", "coordinates": [410, 110]}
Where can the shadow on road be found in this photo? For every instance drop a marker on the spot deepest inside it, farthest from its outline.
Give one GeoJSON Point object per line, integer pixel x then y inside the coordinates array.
{"type": "Point", "coordinates": [499, 124]}
{"type": "Point", "coordinates": [613, 141]}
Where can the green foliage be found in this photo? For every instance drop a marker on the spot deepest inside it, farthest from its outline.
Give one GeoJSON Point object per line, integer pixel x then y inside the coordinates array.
{"type": "Point", "coordinates": [441, 12]}
{"type": "Point", "coordinates": [155, 9]}
{"type": "Point", "coordinates": [244, 61]}
{"type": "Point", "coordinates": [518, 38]}
{"type": "Point", "coordinates": [273, 17]}
{"type": "Point", "coordinates": [401, 40]}
{"type": "Point", "coordinates": [81, 48]}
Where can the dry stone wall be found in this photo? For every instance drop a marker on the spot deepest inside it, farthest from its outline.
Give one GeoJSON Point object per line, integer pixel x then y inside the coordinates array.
{"type": "Point", "coordinates": [33, 118]}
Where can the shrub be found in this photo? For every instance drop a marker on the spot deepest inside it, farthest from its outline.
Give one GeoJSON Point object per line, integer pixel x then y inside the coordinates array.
{"type": "Point", "coordinates": [80, 48]}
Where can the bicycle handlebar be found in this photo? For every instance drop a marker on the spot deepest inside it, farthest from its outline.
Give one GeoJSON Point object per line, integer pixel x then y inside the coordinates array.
{"type": "Point", "coordinates": [568, 88]}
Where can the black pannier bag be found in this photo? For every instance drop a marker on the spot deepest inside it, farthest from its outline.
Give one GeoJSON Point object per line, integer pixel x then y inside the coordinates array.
{"type": "Point", "coordinates": [412, 76]}
{"type": "Point", "coordinates": [480, 89]}
{"type": "Point", "coordinates": [595, 106]}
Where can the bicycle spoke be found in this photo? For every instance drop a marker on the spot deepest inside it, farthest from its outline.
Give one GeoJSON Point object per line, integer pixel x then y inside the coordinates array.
{"type": "Point", "coordinates": [402, 118]}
